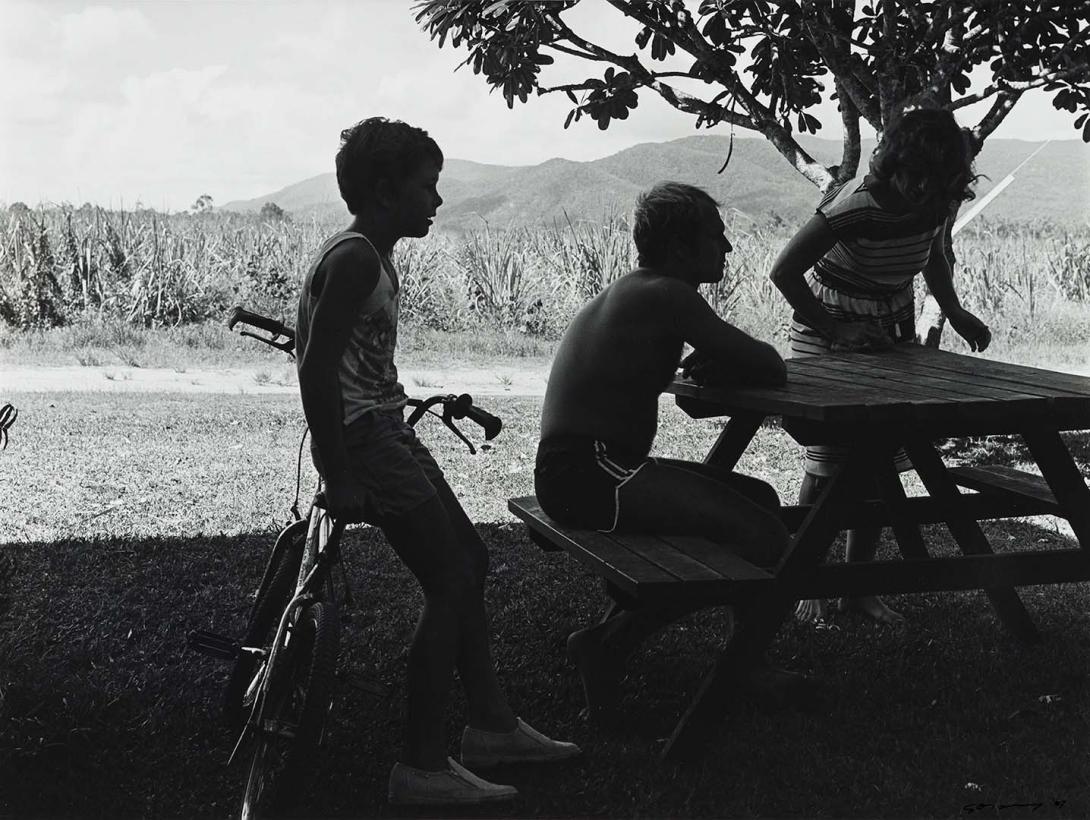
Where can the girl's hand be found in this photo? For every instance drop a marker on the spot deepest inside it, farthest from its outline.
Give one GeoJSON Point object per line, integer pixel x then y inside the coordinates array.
{"type": "Point", "coordinates": [858, 336]}
{"type": "Point", "coordinates": [971, 329]}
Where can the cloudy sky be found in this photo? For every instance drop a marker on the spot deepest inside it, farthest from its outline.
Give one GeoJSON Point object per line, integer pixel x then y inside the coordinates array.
{"type": "Point", "coordinates": [159, 101]}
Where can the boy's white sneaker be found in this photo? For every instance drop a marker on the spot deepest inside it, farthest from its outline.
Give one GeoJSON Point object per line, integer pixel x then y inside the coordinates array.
{"type": "Point", "coordinates": [524, 744]}
{"type": "Point", "coordinates": [454, 785]}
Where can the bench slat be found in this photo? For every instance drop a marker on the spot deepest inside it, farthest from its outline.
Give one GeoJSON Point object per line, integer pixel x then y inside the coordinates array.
{"type": "Point", "coordinates": [999, 478]}
{"type": "Point", "coordinates": [680, 566]}
{"type": "Point", "coordinates": [646, 567]}
{"type": "Point", "coordinates": [613, 561]}
{"type": "Point", "coordinates": [717, 557]}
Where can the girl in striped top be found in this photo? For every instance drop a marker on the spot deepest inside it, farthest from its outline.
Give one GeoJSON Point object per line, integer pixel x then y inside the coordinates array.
{"type": "Point", "coordinates": [848, 275]}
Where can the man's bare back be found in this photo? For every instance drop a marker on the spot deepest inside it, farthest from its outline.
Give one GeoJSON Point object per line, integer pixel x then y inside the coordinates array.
{"type": "Point", "coordinates": [619, 353]}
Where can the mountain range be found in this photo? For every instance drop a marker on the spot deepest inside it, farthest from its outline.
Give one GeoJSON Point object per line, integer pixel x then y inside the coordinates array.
{"type": "Point", "coordinates": [758, 184]}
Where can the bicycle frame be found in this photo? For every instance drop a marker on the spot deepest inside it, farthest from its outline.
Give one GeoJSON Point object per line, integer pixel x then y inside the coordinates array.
{"type": "Point", "coordinates": [320, 550]}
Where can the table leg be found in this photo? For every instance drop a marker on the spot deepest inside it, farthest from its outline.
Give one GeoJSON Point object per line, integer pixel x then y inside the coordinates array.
{"type": "Point", "coordinates": [892, 494]}
{"type": "Point", "coordinates": [968, 535]}
{"type": "Point", "coordinates": [758, 623]}
{"type": "Point", "coordinates": [1064, 479]}
{"type": "Point", "coordinates": [734, 440]}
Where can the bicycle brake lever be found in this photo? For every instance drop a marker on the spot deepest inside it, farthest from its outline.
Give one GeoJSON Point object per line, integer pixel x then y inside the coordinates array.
{"type": "Point", "coordinates": [449, 423]}
{"type": "Point", "coordinates": [286, 346]}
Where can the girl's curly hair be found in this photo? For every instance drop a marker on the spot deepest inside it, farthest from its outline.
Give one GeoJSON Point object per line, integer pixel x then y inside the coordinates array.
{"type": "Point", "coordinates": [377, 148]}
{"type": "Point", "coordinates": [929, 157]}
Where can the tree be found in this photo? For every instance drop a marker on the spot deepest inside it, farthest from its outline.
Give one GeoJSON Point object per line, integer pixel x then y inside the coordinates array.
{"type": "Point", "coordinates": [272, 212]}
{"type": "Point", "coordinates": [881, 57]}
{"type": "Point", "coordinates": [203, 203]}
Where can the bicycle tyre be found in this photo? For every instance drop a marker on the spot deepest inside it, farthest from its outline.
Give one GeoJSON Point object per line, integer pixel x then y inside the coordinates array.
{"type": "Point", "coordinates": [286, 536]}
{"type": "Point", "coordinates": [299, 696]}
{"type": "Point", "coordinates": [273, 595]}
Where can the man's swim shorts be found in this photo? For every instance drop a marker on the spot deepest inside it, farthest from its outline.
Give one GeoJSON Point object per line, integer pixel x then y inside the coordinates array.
{"type": "Point", "coordinates": [578, 479]}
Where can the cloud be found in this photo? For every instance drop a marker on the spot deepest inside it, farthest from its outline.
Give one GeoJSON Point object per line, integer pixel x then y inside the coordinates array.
{"type": "Point", "coordinates": [34, 95]}
{"type": "Point", "coordinates": [175, 87]}
{"type": "Point", "coordinates": [175, 134]}
{"type": "Point", "coordinates": [97, 29]}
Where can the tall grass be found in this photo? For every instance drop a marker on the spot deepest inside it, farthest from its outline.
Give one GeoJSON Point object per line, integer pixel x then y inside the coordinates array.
{"type": "Point", "coordinates": [91, 268]}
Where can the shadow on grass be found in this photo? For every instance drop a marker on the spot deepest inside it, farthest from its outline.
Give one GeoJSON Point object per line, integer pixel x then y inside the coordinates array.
{"type": "Point", "coordinates": [103, 711]}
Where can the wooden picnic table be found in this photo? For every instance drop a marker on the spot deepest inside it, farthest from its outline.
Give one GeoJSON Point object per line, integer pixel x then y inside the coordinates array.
{"type": "Point", "coordinates": [873, 404]}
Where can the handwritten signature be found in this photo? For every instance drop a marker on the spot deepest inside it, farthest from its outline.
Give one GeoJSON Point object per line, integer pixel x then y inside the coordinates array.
{"type": "Point", "coordinates": [970, 808]}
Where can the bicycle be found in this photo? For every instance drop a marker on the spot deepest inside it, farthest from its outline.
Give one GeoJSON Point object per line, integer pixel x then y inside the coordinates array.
{"type": "Point", "coordinates": [281, 686]}
{"type": "Point", "coordinates": [8, 415]}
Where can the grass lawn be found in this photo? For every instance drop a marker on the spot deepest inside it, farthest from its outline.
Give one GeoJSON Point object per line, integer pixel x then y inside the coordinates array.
{"type": "Point", "coordinates": [130, 519]}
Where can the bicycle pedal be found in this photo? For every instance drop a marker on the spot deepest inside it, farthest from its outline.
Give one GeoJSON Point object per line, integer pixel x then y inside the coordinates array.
{"type": "Point", "coordinates": [213, 644]}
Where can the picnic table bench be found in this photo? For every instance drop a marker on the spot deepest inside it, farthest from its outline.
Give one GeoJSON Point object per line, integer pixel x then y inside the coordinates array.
{"type": "Point", "coordinates": [873, 404]}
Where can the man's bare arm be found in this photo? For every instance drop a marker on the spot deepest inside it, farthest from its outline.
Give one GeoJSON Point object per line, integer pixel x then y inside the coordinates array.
{"type": "Point", "coordinates": [350, 273]}
{"type": "Point", "coordinates": [738, 355]}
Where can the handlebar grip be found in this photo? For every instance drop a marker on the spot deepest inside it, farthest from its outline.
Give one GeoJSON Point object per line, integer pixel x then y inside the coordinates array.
{"type": "Point", "coordinates": [489, 423]}
{"type": "Point", "coordinates": [246, 317]}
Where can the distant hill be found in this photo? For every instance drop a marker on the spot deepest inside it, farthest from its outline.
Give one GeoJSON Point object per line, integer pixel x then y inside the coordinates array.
{"type": "Point", "coordinates": [1053, 187]}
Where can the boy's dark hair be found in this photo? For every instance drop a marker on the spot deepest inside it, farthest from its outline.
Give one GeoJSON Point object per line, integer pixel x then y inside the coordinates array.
{"type": "Point", "coordinates": [668, 213]}
{"type": "Point", "coordinates": [932, 156]}
{"type": "Point", "coordinates": [377, 148]}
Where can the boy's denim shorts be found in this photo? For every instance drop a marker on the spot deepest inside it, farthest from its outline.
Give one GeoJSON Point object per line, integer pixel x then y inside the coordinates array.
{"type": "Point", "coordinates": [389, 463]}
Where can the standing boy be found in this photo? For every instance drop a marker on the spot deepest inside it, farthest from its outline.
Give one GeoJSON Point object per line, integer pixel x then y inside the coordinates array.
{"type": "Point", "coordinates": [601, 413]}
{"type": "Point", "coordinates": [375, 469]}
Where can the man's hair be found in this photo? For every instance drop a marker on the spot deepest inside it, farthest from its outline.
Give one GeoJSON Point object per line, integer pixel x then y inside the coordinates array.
{"type": "Point", "coordinates": [670, 212]}
{"type": "Point", "coordinates": [932, 155]}
{"type": "Point", "coordinates": [377, 148]}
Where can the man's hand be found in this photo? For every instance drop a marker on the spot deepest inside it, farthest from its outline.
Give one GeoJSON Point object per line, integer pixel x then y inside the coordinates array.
{"type": "Point", "coordinates": [345, 500]}
{"type": "Point", "coordinates": [703, 370]}
{"type": "Point", "coordinates": [971, 329]}
{"type": "Point", "coordinates": [859, 336]}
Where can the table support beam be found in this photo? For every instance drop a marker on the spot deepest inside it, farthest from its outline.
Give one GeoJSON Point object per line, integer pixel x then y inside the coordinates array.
{"type": "Point", "coordinates": [759, 622]}
{"type": "Point", "coordinates": [905, 529]}
{"type": "Point", "coordinates": [1064, 479]}
{"type": "Point", "coordinates": [733, 440]}
{"type": "Point", "coordinates": [968, 535]}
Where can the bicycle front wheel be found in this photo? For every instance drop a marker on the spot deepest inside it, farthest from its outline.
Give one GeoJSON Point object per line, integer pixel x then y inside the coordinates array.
{"type": "Point", "coordinates": [300, 690]}
{"type": "Point", "coordinates": [275, 591]}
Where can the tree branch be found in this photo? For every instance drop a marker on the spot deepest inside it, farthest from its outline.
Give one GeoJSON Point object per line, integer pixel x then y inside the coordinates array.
{"type": "Point", "coordinates": [849, 116]}
{"type": "Point", "coordinates": [697, 45]}
{"type": "Point", "coordinates": [1020, 86]}
{"type": "Point", "coordinates": [996, 114]}
{"type": "Point", "coordinates": [575, 52]}
{"type": "Point", "coordinates": [839, 62]}
{"type": "Point", "coordinates": [888, 86]}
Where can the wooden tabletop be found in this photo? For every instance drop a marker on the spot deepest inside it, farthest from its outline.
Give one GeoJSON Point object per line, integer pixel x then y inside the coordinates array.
{"type": "Point", "coordinates": [909, 383]}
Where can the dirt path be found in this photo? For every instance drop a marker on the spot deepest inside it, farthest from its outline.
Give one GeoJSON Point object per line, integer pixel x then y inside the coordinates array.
{"type": "Point", "coordinates": [502, 379]}
{"type": "Point", "coordinates": [518, 378]}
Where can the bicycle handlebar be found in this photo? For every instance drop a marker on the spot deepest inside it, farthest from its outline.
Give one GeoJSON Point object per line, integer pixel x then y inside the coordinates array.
{"type": "Point", "coordinates": [457, 407]}
{"type": "Point", "coordinates": [245, 317]}
{"type": "Point", "coordinates": [454, 407]}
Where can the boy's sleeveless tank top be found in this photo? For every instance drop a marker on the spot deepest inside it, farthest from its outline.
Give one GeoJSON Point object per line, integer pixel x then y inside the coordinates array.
{"type": "Point", "coordinates": [366, 372]}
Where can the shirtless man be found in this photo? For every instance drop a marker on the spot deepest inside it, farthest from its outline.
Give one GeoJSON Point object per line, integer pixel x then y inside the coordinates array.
{"type": "Point", "coordinates": [601, 413]}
